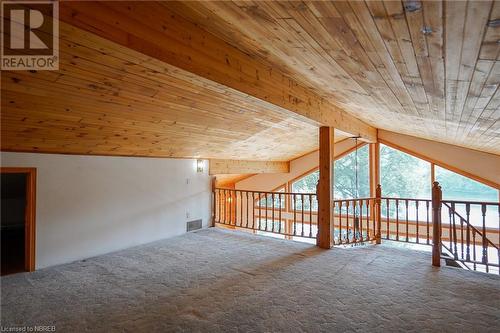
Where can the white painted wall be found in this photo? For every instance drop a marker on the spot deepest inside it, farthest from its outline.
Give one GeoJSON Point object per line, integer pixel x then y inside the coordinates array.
{"type": "Point", "coordinates": [91, 205]}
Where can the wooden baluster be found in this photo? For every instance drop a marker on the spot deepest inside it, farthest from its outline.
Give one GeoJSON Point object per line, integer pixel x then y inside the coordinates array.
{"type": "Point", "coordinates": [368, 207]}
{"type": "Point", "coordinates": [248, 216]}
{"type": "Point", "coordinates": [474, 247]}
{"type": "Point", "coordinates": [449, 230]}
{"type": "Point", "coordinates": [253, 210]}
{"type": "Point", "coordinates": [462, 237]}
{"type": "Point", "coordinates": [428, 222]}
{"type": "Point", "coordinates": [388, 219]}
{"type": "Point", "coordinates": [294, 214]}
{"type": "Point", "coordinates": [467, 212]}
{"type": "Point", "coordinates": [226, 212]}
{"type": "Point", "coordinates": [241, 208]}
{"type": "Point", "coordinates": [220, 206]}
{"type": "Point", "coordinates": [361, 220]}
{"type": "Point", "coordinates": [302, 208]}
{"type": "Point", "coordinates": [272, 200]}
{"type": "Point", "coordinates": [416, 227]}
{"type": "Point", "coordinates": [378, 204]}
{"type": "Point", "coordinates": [406, 207]}
{"type": "Point", "coordinates": [454, 231]}
{"type": "Point", "coordinates": [340, 221]}
{"type": "Point", "coordinates": [397, 219]}
{"type": "Point", "coordinates": [356, 214]}
{"type": "Point", "coordinates": [279, 198]}
{"type": "Point", "coordinates": [310, 215]}
{"type": "Point", "coordinates": [232, 200]}
{"type": "Point", "coordinates": [260, 211]}
{"type": "Point", "coordinates": [235, 208]}
{"type": "Point", "coordinates": [348, 227]}
{"type": "Point", "coordinates": [485, 245]}
{"type": "Point", "coordinates": [267, 211]}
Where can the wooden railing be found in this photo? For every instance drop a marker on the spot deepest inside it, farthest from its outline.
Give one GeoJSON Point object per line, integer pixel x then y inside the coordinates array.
{"type": "Point", "coordinates": [473, 240]}
{"type": "Point", "coordinates": [462, 231]}
{"type": "Point", "coordinates": [406, 220]}
{"type": "Point", "coordinates": [284, 213]}
{"type": "Point", "coordinates": [355, 220]}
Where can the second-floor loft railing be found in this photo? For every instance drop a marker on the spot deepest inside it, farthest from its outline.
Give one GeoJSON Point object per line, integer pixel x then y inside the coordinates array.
{"type": "Point", "coordinates": [466, 232]}
{"type": "Point", "coordinates": [284, 213]}
{"type": "Point", "coordinates": [355, 220]}
{"type": "Point", "coordinates": [473, 238]}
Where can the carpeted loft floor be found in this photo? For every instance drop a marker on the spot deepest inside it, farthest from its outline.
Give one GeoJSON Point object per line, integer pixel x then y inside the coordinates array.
{"type": "Point", "coordinates": [225, 281]}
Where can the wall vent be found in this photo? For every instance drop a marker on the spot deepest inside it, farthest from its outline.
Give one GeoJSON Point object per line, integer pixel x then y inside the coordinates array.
{"type": "Point", "coordinates": [193, 225]}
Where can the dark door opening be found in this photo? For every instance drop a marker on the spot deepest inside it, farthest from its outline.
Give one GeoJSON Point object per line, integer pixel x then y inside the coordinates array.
{"type": "Point", "coordinates": [13, 222]}
{"type": "Point", "coordinates": [18, 227]}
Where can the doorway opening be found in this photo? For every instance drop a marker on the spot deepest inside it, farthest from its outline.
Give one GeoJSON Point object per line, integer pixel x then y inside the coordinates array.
{"type": "Point", "coordinates": [17, 220]}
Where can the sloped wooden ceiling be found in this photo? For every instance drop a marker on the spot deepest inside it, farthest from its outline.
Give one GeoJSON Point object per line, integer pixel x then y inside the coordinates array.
{"type": "Point", "coordinates": [428, 69]}
{"type": "Point", "coordinates": [425, 68]}
{"type": "Point", "coordinates": [108, 99]}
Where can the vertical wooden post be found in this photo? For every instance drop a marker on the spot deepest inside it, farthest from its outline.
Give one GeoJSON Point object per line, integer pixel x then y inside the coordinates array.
{"type": "Point", "coordinates": [378, 212]}
{"type": "Point", "coordinates": [325, 188]}
{"type": "Point", "coordinates": [374, 168]}
{"type": "Point", "coordinates": [214, 201]}
{"type": "Point", "coordinates": [436, 224]}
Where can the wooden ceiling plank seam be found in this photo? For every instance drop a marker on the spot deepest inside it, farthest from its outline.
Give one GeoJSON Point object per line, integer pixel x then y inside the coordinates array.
{"type": "Point", "coordinates": [479, 79]}
{"type": "Point", "coordinates": [370, 28]}
{"type": "Point", "coordinates": [353, 61]}
{"type": "Point", "coordinates": [453, 40]}
{"type": "Point", "coordinates": [434, 19]}
{"type": "Point", "coordinates": [366, 44]}
{"type": "Point", "coordinates": [475, 27]}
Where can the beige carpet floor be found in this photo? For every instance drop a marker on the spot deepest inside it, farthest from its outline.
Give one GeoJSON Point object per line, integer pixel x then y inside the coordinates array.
{"type": "Point", "coordinates": [227, 281]}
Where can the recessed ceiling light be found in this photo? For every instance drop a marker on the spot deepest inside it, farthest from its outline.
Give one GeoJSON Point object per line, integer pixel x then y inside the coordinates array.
{"type": "Point", "coordinates": [412, 6]}
{"type": "Point", "coordinates": [426, 30]}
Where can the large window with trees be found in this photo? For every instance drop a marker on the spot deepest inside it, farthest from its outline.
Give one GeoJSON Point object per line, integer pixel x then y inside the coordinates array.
{"type": "Point", "coordinates": [458, 187]}
{"type": "Point", "coordinates": [346, 177]}
{"type": "Point", "coordinates": [403, 175]}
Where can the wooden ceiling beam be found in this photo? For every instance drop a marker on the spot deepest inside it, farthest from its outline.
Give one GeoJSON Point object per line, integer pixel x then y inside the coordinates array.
{"type": "Point", "coordinates": [178, 42]}
{"type": "Point", "coordinates": [225, 167]}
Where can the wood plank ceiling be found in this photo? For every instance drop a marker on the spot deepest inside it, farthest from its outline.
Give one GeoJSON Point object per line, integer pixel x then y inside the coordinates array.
{"type": "Point", "coordinates": [370, 59]}
{"type": "Point", "coordinates": [429, 69]}
{"type": "Point", "coordinates": [109, 100]}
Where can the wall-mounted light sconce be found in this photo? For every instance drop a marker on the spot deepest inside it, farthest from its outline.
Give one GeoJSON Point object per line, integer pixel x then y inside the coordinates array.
{"type": "Point", "coordinates": [199, 165]}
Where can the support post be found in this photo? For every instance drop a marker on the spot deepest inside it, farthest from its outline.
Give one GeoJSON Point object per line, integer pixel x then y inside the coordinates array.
{"type": "Point", "coordinates": [378, 212]}
{"type": "Point", "coordinates": [325, 188]}
{"type": "Point", "coordinates": [214, 201]}
{"type": "Point", "coordinates": [436, 224]}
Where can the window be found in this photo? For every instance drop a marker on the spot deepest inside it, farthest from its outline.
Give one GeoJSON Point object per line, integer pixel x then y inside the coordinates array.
{"type": "Point", "coordinates": [458, 187]}
{"type": "Point", "coordinates": [306, 184]}
{"type": "Point", "coordinates": [345, 175]}
{"type": "Point", "coordinates": [404, 176]}
{"type": "Point", "coordinates": [267, 200]}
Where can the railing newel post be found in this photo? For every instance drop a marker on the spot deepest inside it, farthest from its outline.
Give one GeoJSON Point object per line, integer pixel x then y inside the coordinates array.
{"type": "Point", "coordinates": [437, 197]}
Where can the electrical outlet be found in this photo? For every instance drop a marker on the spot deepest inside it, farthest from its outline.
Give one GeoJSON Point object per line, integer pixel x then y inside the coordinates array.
{"type": "Point", "coordinates": [187, 181]}
{"type": "Point", "coordinates": [188, 215]}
